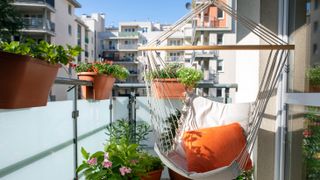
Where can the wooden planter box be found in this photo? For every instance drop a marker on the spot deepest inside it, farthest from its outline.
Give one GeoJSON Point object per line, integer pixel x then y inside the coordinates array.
{"type": "Point", "coordinates": [25, 81]}
{"type": "Point", "coordinates": [102, 85]}
{"type": "Point", "coordinates": [153, 175]}
{"type": "Point", "coordinates": [314, 88]}
{"type": "Point", "coordinates": [168, 89]}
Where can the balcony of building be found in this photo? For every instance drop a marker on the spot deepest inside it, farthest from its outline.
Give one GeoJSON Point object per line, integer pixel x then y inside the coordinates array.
{"type": "Point", "coordinates": [38, 25]}
{"type": "Point", "coordinates": [128, 35]}
{"type": "Point", "coordinates": [175, 59]}
{"type": "Point", "coordinates": [32, 5]}
{"type": "Point", "coordinates": [207, 54]}
{"type": "Point", "coordinates": [211, 23]}
{"type": "Point", "coordinates": [128, 47]}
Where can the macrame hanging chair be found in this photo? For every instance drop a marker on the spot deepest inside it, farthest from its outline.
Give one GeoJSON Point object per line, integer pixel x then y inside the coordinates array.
{"type": "Point", "coordinates": [171, 119]}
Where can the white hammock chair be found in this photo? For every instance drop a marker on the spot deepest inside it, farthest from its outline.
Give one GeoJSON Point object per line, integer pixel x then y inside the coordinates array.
{"type": "Point", "coordinates": [198, 112]}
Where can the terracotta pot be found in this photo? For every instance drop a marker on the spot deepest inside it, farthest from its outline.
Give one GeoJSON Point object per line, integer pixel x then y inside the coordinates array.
{"type": "Point", "coordinates": [175, 176]}
{"type": "Point", "coordinates": [168, 89]}
{"type": "Point", "coordinates": [102, 85]}
{"type": "Point", "coordinates": [153, 175]}
{"type": "Point", "coordinates": [25, 81]}
{"type": "Point", "coordinates": [314, 88]}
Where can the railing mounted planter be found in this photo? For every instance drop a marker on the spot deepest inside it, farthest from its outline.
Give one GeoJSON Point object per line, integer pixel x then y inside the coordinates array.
{"type": "Point", "coordinates": [25, 81]}
{"type": "Point", "coordinates": [168, 89]}
{"type": "Point", "coordinates": [102, 85]}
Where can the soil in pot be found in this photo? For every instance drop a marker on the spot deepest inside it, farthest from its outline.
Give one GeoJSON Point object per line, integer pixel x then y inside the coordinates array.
{"type": "Point", "coordinates": [102, 85]}
{"type": "Point", "coordinates": [153, 175]}
{"type": "Point", "coordinates": [25, 81]}
{"type": "Point", "coordinates": [168, 89]}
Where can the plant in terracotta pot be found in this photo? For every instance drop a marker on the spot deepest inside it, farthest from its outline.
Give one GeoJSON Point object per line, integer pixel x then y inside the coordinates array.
{"type": "Point", "coordinates": [103, 76]}
{"type": "Point", "coordinates": [28, 71]}
{"type": "Point", "coordinates": [173, 80]}
{"type": "Point", "coordinates": [313, 75]}
{"type": "Point", "coordinates": [152, 165]}
{"type": "Point", "coordinates": [121, 158]}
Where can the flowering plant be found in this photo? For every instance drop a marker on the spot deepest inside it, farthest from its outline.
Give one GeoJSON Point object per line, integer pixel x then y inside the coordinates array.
{"type": "Point", "coordinates": [121, 159]}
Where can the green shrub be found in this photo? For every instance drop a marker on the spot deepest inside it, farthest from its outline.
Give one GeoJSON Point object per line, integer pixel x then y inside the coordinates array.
{"type": "Point", "coordinates": [313, 75]}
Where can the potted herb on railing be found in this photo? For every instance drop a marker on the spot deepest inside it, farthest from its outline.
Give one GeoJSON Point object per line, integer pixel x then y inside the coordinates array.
{"type": "Point", "coordinates": [122, 158]}
{"type": "Point", "coordinates": [313, 75]}
{"type": "Point", "coordinates": [28, 71]}
{"type": "Point", "coordinates": [103, 76]}
{"type": "Point", "coordinates": [173, 80]}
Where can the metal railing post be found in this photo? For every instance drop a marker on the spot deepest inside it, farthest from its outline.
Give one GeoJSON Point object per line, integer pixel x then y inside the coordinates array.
{"type": "Point", "coordinates": [75, 115]}
{"type": "Point", "coordinates": [132, 114]}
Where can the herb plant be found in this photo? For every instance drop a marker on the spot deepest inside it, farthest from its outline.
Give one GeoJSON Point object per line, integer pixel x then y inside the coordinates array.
{"type": "Point", "coordinates": [187, 76]}
{"type": "Point", "coordinates": [51, 53]}
{"type": "Point", "coordinates": [116, 71]}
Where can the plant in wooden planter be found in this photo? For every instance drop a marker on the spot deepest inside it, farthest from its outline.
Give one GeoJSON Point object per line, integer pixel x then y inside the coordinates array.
{"type": "Point", "coordinates": [173, 80]}
{"type": "Point", "coordinates": [313, 75]}
{"type": "Point", "coordinates": [28, 71]}
{"type": "Point", "coordinates": [103, 76]}
{"type": "Point", "coordinates": [152, 165]}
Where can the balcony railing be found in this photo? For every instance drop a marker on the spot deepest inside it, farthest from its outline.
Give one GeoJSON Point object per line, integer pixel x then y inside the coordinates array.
{"type": "Point", "coordinates": [46, 140]}
{"type": "Point", "coordinates": [129, 34]}
{"type": "Point", "coordinates": [207, 53]}
{"type": "Point", "coordinates": [175, 58]}
{"type": "Point", "coordinates": [128, 47]}
{"type": "Point", "coordinates": [44, 2]}
{"type": "Point", "coordinates": [209, 22]}
{"type": "Point", "coordinates": [32, 23]}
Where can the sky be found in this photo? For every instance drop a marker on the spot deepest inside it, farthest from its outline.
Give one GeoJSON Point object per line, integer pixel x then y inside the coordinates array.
{"type": "Point", "coordinates": [161, 11]}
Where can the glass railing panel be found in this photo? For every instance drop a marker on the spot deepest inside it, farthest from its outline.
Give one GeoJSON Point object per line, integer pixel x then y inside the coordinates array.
{"type": "Point", "coordinates": [120, 108]}
{"type": "Point", "coordinates": [35, 142]}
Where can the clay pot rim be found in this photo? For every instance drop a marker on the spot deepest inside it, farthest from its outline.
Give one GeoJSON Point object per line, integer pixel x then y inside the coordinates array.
{"type": "Point", "coordinates": [87, 74]}
{"type": "Point", "coordinates": [166, 80]}
{"type": "Point", "coordinates": [31, 59]}
{"type": "Point", "coordinates": [93, 74]}
{"type": "Point", "coordinates": [155, 171]}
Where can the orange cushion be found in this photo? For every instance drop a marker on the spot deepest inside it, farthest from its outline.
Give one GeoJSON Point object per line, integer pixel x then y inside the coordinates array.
{"type": "Point", "coordinates": [211, 148]}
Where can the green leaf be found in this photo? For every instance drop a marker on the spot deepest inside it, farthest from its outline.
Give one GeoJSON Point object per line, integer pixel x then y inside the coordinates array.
{"type": "Point", "coordinates": [84, 153]}
{"type": "Point", "coordinates": [82, 167]}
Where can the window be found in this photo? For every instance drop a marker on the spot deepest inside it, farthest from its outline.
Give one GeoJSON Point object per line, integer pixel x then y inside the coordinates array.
{"type": "Point", "coordinates": [69, 29]}
{"type": "Point", "coordinates": [315, 49]}
{"type": "Point", "coordinates": [316, 4]}
{"type": "Point", "coordinates": [220, 14]}
{"type": "Point", "coordinates": [219, 92]}
{"type": "Point", "coordinates": [220, 66]}
{"type": "Point", "coordinates": [219, 38]}
{"type": "Point", "coordinates": [315, 26]}
{"type": "Point", "coordinates": [69, 9]}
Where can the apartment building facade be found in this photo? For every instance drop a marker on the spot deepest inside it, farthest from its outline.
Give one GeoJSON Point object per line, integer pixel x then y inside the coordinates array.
{"type": "Point", "coordinates": [214, 27]}
{"type": "Point", "coordinates": [315, 32]}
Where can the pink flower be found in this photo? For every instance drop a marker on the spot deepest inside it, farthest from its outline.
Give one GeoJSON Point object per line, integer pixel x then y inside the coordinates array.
{"type": "Point", "coordinates": [125, 170]}
{"type": "Point", "coordinates": [106, 163]}
{"type": "Point", "coordinates": [92, 161]}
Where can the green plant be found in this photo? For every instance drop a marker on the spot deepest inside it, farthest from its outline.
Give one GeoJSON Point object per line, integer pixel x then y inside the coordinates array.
{"type": "Point", "coordinates": [189, 76]}
{"type": "Point", "coordinates": [149, 162]}
{"type": "Point", "coordinates": [122, 128]}
{"type": "Point", "coordinates": [246, 175]}
{"type": "Point", "coordinates": [170, 132]}
{"type": "Point", "coordinates": [121, 158]}
{"type": "Point", "coordinates": [10, 20]}
{"type": "Point", "coordinates": [51, 53]}
{"type": "Point", "coordinates": [313, 75]}
{"type": "Point", "coordinates": [117, 71]}
{"type": "Point", "coordinates": [311, 144]}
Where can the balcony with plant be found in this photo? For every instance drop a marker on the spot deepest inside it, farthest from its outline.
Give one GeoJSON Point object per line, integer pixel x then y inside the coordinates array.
{"type": "Point", "coordinates": [25, 64]}
{"type": "Point", "coordinates": [103, 76]}
{"type": "Point", "coordinates": [174, 80]}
